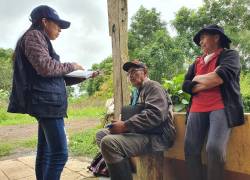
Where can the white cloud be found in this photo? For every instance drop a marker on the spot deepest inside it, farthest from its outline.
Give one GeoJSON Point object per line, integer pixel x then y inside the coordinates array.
{"type": "Point", "coordinates": [87, 41]}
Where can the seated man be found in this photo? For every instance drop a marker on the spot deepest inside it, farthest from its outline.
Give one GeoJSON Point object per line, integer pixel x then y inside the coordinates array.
{"type": "Point", "coordinates": [150, 130]}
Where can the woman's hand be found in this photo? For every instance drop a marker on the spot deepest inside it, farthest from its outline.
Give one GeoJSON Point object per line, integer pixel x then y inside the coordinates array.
{"type": "Point", "coordinates": [95, 73]}
{"type": "Point", "coordinates": [77, 66]}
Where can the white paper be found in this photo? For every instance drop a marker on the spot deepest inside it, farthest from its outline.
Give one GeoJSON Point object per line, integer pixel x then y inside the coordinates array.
{"type": "Point", "coordinates": [80, 74]}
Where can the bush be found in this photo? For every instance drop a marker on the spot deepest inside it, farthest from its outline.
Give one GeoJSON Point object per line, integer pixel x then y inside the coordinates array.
{"type": "Point", "coordinates": [245, 90]}
{"type": "Point", "coordinates": [246, 103]}
{"type": "Point", "coordinates": [180, 99]}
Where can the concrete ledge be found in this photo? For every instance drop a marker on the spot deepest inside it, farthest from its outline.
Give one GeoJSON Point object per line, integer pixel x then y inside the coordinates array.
{"type": "Point", "coordinates": [170, 165]}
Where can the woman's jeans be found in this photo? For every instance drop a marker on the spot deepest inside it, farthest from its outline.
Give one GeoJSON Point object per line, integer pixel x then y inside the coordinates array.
{"type": "Point", "coordinates": [213, 125]}
{"type": "Point", "coordinates": [52, 152]}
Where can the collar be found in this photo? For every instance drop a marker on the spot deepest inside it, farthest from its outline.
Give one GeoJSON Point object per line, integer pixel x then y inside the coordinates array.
{"type": "Point", "coordinates": [208, 57]}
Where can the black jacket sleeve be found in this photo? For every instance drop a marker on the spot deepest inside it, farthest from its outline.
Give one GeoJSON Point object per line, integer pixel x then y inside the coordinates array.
{"type": "Point", "coordinates": [188, 84]}
{"type": "Point", "coordinates": [229, 65]}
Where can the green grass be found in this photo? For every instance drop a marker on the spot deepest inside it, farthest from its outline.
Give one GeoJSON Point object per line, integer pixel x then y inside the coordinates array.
{"type": "Point", "coordinates": [80, 144]}
{"type": "Point", "coordinates": [8, 147]}
{"type": "Point", "coordinates": [14, 119]}
{"type": "Point", "coordinates": [83, 144]}
{"type": "Point", "coordinates": [87, 112]}
{"type": "Point", "coordinates": [5, 149]}
{"type": "Point", "coordinates": [28, 143]}
{"type": "Point", "coordinates": [78, 108]}
{"type": "Point", "coordinates": [7, 119]}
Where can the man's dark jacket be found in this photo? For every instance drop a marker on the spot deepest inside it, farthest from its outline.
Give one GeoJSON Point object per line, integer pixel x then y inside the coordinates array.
{"type": "Point", "coordinates": [229, 71]}
{"type": "Point", "coordinates": [33, 94]}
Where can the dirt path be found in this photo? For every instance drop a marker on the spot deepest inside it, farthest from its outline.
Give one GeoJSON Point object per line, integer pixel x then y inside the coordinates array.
{"type": "Point", "coordinates": [24, 132]}
{"type": "Point", "coordinates": [21, 132]}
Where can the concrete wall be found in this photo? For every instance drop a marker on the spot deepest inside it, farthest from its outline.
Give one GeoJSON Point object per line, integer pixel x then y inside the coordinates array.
{"type": "Point", "coordinates": [170, 165]}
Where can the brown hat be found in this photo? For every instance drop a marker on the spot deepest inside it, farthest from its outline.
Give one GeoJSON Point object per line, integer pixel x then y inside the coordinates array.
{"type": "Point", "coordinates": [135, 63]}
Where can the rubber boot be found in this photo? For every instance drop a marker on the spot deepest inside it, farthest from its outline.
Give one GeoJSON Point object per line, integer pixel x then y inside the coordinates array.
{"type": "Point", "coordinates": [120, 170]}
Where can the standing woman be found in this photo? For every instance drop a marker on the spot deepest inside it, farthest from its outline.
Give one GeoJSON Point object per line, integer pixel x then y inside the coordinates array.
{"type": "Point", "coordinates": [215, 105]}
{"type": "Point", "coordinates": [39, 89]}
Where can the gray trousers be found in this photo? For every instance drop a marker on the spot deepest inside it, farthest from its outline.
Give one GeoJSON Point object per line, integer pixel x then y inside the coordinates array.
{"type": "Point", "coordinates": [213, 125]}
{"type": "Point", "coordinates": [116, 147]}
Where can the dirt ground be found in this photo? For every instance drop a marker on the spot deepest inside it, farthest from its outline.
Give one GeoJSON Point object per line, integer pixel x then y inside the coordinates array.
{"type": "Point", "coordinates": [22, 132]}
{"type": "Point", "coordinates": [8, 133]}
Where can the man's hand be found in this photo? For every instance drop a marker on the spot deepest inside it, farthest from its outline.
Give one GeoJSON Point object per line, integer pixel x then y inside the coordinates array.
{"type": "Point", "coordinates": [118, 127]}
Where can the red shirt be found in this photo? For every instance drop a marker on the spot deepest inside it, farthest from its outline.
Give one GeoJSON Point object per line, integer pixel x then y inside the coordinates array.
{"type": "Point", "coordinates": [211, 99]}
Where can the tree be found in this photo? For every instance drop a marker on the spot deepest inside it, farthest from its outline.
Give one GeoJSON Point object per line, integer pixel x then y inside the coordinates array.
{"type": "Point", "coordinates": [162, 57]}
{"type": "Point", "coordinates": [233, 15]}
{"type": "Point", "coordinates": [143, 25]}
{"type": "Point", "coordinates": [6, 69]}
{"type": "Point", "coordinates": [150, 42]}
{"type": "Point", "coordinates": [93, 85]}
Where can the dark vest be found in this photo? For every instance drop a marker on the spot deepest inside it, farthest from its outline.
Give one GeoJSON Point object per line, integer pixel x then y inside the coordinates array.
{"type": "Point", "coordinates": [33, 94]}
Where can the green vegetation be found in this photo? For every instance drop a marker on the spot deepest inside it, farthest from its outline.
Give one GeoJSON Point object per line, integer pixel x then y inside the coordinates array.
{"type": "Point", "coordinates": [84, 113]}
{"type": "Point", "coordinates": [150, 41]}
{"type": "Point", "coordinates": [245, 90]}
{"type": "Point", "coordinates": [5, 69]}
{"type": "Point", "coordinates": [81, 144]}
{"type": "Point", "coordinates": [29, 143]}
{"type": "Point", "coordinates": [234, 16]}
{"type": "Point", "coordinates": [179, 98]}
{"type": "Point", "coordinates": [9, 147]}
{"type": "Point", "coordinates": [14, 119]}
{"type": "Point", "coordinates": [166, 56]}
{"type": "Point", "coordinates": [5, 149]}
{"type": "Point", "coordinates": [80, 108]}
{"type": "Point", "coordinates": [84, 143]}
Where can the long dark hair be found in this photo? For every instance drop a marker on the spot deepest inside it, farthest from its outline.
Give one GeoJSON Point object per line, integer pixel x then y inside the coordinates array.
{"type": "Point", "coordinates": [35, 25]}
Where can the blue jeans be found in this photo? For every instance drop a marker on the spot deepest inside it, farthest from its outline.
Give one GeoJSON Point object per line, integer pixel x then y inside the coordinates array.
{"type": "Point", "coordinates": [52, 152]}
{"type": "Point", "coordinates": [213, 125]}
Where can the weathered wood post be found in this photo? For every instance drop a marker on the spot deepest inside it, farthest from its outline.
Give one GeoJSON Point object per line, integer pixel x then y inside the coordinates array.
{"type": "Point", "coordinates": [118, 25]}
{"type": "Point", "coordinates": [118, 22]}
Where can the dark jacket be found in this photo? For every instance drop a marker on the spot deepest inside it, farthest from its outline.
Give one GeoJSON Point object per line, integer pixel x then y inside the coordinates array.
{"type": "Point", "coordinates": [229, 72]}
{"type": "Point", "coordinates": [155, 118]}
{"type": "Point", "coordinates": [36, 90]}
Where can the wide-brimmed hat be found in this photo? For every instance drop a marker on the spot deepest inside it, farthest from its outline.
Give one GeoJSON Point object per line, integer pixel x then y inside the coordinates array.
{"type": "Point", "coordinates": [213, 29]}
{"type": "Point", "coordinates": [44, 11]}
{"type": "Point", "coordinates": [134, 64]}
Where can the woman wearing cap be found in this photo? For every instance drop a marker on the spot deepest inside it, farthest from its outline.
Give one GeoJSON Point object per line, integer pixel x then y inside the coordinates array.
{"type": "Point", "coordinates": [215, 105]}
{"type": "Point", "coordinates": [39, 89]}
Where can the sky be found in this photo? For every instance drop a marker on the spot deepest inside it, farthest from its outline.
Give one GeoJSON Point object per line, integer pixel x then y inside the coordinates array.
{"type": "Point", "coordinates": [87, 41]}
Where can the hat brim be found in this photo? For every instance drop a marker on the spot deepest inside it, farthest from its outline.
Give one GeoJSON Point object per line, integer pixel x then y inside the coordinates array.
{"type": "Point", "coordinates": [225, 39]}
{"type": "Point", "coordinates": [63, 24]}
{"type": "Point", "coordinates": [129, 65]}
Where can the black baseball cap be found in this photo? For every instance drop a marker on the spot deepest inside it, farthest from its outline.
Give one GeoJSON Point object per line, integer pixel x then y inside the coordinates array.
{"type": "Point", "coordinates": [44, 11]}
{"type": "Point", "coordinates": [135, 64]}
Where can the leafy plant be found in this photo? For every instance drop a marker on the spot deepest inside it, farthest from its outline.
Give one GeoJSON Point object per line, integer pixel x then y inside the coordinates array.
{"type": "Point", "coordinates": [245, 90]}
{"type": "Point", "coordinates": [174, 86]}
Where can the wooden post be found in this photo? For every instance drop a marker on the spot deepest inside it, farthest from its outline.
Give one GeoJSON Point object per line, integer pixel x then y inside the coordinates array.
{"type": "Point", "coordinates": [118, 22]}
{"type": "Point", "coordinates": [150, 166]}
